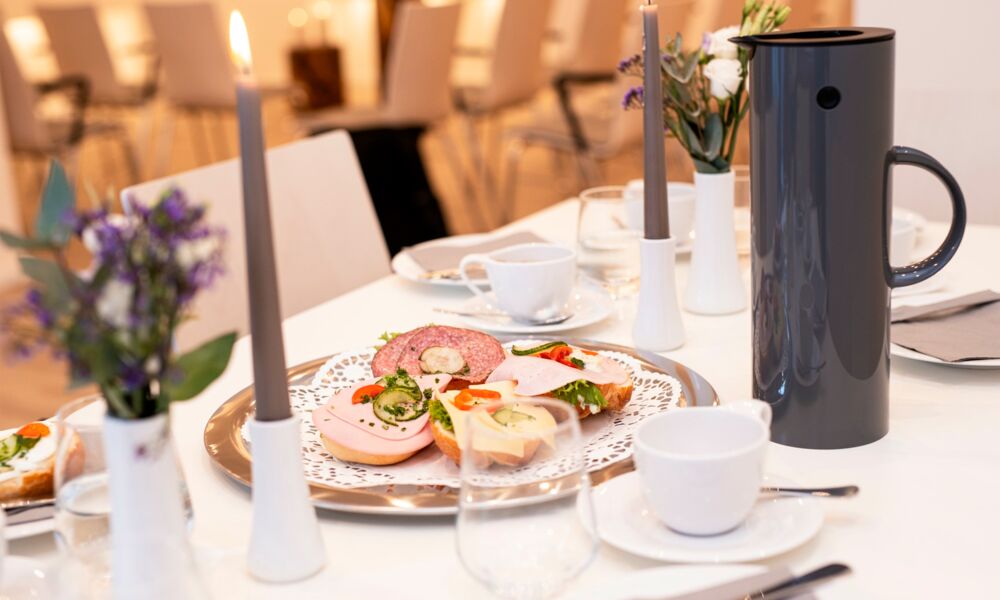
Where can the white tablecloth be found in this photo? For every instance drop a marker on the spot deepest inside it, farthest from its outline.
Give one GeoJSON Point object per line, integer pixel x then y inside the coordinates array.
{"type": "Point", "coordinates": [926, 524]}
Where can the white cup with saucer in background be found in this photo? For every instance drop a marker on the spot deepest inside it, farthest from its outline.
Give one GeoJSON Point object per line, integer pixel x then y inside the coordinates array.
{"type": "Point", "coordinates": [903, 242]}
{"type": "Point", "coordinates": [680, 208]}
{"type": "Point", "coordinates": [531, 282]}
{"type": "Point", "coordinates": [701, 468]}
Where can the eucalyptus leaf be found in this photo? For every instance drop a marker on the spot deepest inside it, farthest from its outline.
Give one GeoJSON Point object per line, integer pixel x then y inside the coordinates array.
{"type": "Point", "coordinates": [693, 143]}
{"type": "Point", "coordinates": [689, 69]}
{"type": "Point", "coordinates": [200, 367]}
{"type": "Point", "coordinates": [713, 136]}
{"type": "Point", "coordinates": [704, 167]}
{"type": "Point", "coordinates": [58, 203]}
{"type": "Point", "coordinates": [23, 243]}
{"type": "Point", "coordinates": [55, 287]}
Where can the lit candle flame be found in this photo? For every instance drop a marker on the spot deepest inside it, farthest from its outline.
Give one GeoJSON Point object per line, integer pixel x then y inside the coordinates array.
{"type": "Point", "coordinates": [239, 43]}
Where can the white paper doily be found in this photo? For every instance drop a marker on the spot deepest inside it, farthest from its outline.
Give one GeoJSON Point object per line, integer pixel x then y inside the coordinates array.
{"type": "Point", "coordinates": [607, 437]}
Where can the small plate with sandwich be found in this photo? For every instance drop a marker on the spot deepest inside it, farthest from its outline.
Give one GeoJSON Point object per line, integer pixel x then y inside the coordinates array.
{"type": "Point", "coordinates": [382, 426]}
{"type": "Point", "coordinates": [27, 465]}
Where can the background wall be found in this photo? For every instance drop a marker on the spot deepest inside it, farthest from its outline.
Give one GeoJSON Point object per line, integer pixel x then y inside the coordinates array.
{"type": "Point", "coordinates": [947, 94]}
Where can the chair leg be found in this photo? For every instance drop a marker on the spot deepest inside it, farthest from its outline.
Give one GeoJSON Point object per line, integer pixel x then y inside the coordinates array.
{"type": "Point", "coordinates": [143, 135]}
{"type": "Point", "coordinates": [129, 154]}
{"type": "Point", "coordinates": [220, 134]}
{"type": "Point", "coordinates": [464, 183]}
{"type": "Point", "coordinates": [515, 150]}
{"type": "Point", "coordinates": [478, 162]}
{"type": "Point", "coordinates": [166, 145]}
{"type": "Point", "coordinates": [589, 171]}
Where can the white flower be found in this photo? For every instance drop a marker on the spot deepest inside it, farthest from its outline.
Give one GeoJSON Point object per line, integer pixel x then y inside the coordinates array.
{"type": "Point", "coordinates": [119, 222]}
{"type": "Point", "coordinates": [114, 303]}
{"type": "Point", "coordinates": [719, 45]}
{"type": "Point", "coordinates": [725, 76]}
{"type": "Point", "coordinates": [193, 252]}
{"type": "Point", "coordinates": [153, 365]}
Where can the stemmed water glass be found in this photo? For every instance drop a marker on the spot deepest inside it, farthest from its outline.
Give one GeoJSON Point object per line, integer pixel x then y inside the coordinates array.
{"type": "Point", "coordinates": [608, 241]}
{"type": "Point", "coordinates": [525, 518]}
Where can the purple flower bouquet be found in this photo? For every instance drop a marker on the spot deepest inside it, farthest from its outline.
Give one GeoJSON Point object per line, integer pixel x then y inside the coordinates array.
{"type": "Point", "coordinates": [115, 321]}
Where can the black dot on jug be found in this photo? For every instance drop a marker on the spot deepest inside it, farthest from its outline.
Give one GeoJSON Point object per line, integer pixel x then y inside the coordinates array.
{"type": "Point", "coordinates": [828, 97]}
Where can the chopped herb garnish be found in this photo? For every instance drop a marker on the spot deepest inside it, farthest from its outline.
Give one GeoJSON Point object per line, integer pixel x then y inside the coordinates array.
{"type": "Point", "coordinates": [428, 393]}
{"type": "Point", "coordinates": [579, 364]}
{"type": "Point", "coordinates": [371, 424]}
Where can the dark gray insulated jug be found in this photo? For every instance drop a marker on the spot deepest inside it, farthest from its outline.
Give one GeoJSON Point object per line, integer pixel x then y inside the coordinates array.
{"type": "Point", "coordinates": [821, 152]}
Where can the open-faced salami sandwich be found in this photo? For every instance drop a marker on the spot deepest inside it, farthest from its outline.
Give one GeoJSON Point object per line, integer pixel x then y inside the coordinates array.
{"type": "Point", "coordinates": [583, 378]}
{"type": "Point", "coordinates": [466, 355]}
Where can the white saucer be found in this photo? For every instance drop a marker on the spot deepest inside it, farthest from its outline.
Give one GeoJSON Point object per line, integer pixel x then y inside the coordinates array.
{"type": "Point", "coordinates": [588, 304]}
{"type": "Point", "coordinates": [25, 578]}
{"type": "Point", "coordinates": [775, 526]}
{"type": "Point", "coordinates": [407, 268]}
{"type": "Point", "coordinates": [898, 351]}
{"type": "Point", "coordinates": [661, 582]}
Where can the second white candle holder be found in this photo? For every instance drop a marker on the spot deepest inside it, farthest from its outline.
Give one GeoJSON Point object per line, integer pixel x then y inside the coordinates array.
{"type": "Point", "coordinates": [658, 325]}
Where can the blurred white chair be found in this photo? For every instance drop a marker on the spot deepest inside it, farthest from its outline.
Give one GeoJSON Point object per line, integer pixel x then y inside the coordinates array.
{"type": "Point", "coordinates": [327, 237]}
{"type": "Point", "coordinates": [509, 74]}
{"type": "Point", "coordinates": [197, 74]}
{"type": "Point", "coordinates": [78, 44]}
{"type": "Point", "coordinates": [37, 138]}
{"type": "Point", "coordinates": [591, 124]}
{"type": "Point", "coordinates": [417, 71]}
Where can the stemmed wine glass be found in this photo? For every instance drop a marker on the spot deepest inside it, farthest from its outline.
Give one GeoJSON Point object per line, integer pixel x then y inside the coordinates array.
{"type": "Point", "coordinates": [525, 518]}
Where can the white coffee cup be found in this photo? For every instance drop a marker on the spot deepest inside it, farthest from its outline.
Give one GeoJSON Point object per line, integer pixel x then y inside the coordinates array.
{"type": "Point", "coordinates": [680, 208]}
{"type": "Point", "coordinates": [531, 282]}
{"type": "Point", "coordinates": [701, 468]}
{"type": "Point", "coordinates": [903, 242]}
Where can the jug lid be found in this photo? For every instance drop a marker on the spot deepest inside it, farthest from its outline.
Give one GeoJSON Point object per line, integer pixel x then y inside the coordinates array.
{"type": "Point", "coordinates": [822, 36]}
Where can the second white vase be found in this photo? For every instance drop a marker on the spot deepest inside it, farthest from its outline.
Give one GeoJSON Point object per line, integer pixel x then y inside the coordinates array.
{"type": "Point", "coordinates": [715, 283]}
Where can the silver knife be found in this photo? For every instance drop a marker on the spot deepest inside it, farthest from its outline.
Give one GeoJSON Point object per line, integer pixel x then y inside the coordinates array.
{"type": "Point", "coordinates": [30, 513]}
{"type": "Point", "coordinates": [775, 584]}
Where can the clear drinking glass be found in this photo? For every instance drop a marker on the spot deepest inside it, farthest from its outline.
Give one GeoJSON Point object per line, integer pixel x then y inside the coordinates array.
{"type": "Point", "coordinates": [607, 248]}
{"type": "Point", "coordinates": [525, 519]}
{"type": "Point", "coordinates": [83, 504]}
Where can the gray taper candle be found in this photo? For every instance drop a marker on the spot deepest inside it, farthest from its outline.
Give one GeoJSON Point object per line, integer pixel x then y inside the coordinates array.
{"type": "Point", "coordinates": [270, 384]}
{"type": "Point", "coordinates": [655, 215]}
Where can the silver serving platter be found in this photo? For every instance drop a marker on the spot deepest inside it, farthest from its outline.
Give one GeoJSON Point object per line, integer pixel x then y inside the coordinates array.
{"type": "Point", "coordinates": [229, 452]}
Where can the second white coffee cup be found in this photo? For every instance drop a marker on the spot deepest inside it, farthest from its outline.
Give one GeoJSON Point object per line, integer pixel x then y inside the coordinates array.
{"type": "Point", "coordinates": [531, 282]}
{"type": "Point", "coordinates": [701, 468]}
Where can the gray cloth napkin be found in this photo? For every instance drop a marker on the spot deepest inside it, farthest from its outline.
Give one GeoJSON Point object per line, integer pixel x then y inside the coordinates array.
{"type": "Point", "coordinates": [963, 328]}
{"type": "Point", "coordinates": [437, 257]}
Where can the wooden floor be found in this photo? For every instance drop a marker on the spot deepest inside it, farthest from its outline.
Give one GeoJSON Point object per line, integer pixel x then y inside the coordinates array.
{"type": "Point", "coordinates": [35, 388]}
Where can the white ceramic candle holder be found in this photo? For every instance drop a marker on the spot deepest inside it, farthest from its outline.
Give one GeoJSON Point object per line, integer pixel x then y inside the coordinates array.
{"type": "Point", "coordinates": [658, 325]}
{"type": "Point", "coordinates": [285, 542]}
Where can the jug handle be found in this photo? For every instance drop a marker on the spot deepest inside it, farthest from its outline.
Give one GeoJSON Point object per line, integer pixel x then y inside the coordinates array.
{"type": "Point", "coordinates": [924, 269]}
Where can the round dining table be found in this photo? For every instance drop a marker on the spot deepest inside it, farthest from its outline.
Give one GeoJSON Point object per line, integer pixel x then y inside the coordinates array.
{"type": "Point", "coordinates": [926, 523]}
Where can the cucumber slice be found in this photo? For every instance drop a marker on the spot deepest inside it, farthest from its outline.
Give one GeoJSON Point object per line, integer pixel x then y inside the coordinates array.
{"type": "Point", "coordinates": [396, 405]}
{"type": "Point", "coordinates": [536, 349]}
{"type": "Point", "coordinates": [507, 416]}
{"type": "Point", "coordinates": [9, 446]}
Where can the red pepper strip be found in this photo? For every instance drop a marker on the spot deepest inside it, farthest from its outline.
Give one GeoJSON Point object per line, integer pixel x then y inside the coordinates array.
{"type": "Point", "coordinates": [366, 390]}
{"type": "Point", "coordinates": [469, 398]}
{"type": "Point", "coordinates": [34, 430]}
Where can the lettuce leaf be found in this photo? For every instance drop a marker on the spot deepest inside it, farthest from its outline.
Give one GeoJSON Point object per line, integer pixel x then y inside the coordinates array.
{"type": "Point", "coordinates": [440, 415]}
{"type": "Point", "coordinates": [581, 392]}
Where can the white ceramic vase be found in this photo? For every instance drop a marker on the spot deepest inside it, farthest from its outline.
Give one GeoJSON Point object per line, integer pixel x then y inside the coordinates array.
{"type": "Point", "coordinates": [715, 283]}
{"type": "Point", "coordinates": [150, 555]}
